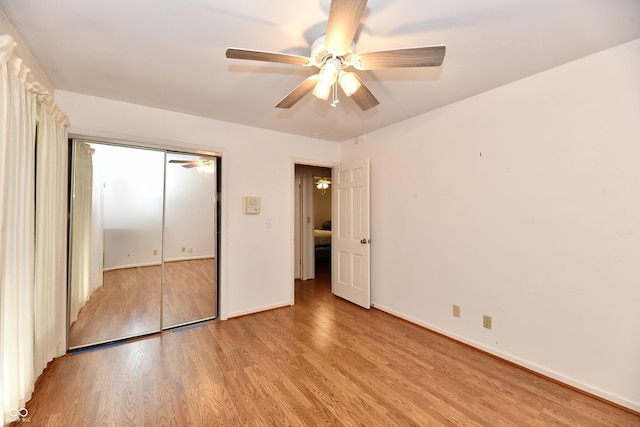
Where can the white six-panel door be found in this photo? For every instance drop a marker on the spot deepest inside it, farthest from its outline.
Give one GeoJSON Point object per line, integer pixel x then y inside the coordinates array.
{"type": "Point", "coordinates": [350, 233]}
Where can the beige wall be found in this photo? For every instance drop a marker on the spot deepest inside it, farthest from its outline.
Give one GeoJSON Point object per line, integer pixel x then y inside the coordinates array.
{"type": "Point", "coordinates": [522, 203]}
{"type": "Point", "coordinates": [24, 53]}
{"type": "Point", "coordinates": [321, 207]}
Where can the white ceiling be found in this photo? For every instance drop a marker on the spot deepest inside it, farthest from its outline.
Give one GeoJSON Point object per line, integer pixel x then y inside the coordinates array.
{"type": "Point", "coordinates": [170, 54]}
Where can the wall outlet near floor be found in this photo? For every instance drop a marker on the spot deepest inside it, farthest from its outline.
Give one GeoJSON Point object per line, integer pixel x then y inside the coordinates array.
{"type": "Point", "coordinates": [190, 250]}
{"type": "Point", "coordinates": [184, 249]}
{"type": "Point", "coordinates": [486, 321]}
{"type": "Point", "coordinates": [456, 310]}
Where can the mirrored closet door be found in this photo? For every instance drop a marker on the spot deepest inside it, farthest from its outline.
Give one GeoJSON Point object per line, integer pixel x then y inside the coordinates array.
{"type": "Point", "coordinates": [189, 240]}
{"type": "Point", "coordinates": [142, 244]}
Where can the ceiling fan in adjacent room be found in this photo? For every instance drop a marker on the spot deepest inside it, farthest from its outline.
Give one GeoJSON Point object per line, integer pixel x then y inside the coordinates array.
{"type": "Point", "coordinates": [334, 52]}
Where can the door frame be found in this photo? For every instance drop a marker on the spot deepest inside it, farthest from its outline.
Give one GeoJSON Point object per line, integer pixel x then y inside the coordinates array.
{"type": "Point", "coordinates": [304, 210]}
{"type": "Point", "coordinates": [292, 180]}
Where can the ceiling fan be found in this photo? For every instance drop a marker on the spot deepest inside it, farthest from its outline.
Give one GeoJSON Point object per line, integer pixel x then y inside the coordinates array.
{"type": "Point", "coordinates": [335, 51]}
{"type": "Point", "coordinates": [201, 164]}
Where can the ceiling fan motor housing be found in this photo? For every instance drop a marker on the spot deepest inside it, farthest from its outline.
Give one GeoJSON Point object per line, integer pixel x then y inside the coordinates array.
{"type": "Point", "coordinates": [320, 54]}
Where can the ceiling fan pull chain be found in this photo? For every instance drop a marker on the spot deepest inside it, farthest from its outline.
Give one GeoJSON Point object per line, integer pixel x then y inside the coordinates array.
{"type": "Point", "coordinates": [335, 95]}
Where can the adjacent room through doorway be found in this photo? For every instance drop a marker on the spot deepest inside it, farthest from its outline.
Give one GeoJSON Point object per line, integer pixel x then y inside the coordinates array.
{"type": "Point", "coordinates": [312, 222]}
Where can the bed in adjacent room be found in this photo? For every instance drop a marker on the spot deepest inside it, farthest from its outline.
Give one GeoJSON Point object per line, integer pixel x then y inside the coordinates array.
{"type": "Point", "coordinates": [322, 240]}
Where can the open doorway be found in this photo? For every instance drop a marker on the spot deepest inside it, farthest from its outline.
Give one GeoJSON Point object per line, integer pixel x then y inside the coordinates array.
{"type": "Point", "coordinates": [349, 264]}
{"type": "Point", "coordinates": [312, 223]}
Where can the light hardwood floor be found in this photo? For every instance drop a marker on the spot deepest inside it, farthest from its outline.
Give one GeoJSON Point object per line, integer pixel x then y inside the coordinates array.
{"type": "Point", "coordinates": [323, 361]}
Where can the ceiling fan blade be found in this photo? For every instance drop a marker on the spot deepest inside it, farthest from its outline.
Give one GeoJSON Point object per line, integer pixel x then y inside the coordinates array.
{"type": "Point", "coordinates": [425, 56]}
{"type": "Point", "coordinates": [363, 97]}
{"type": "Point", "coordinates": [192, 163]}
{"type": "Point", "coordinates": [301, 90]}
{"type": "Point", "coordinates": [258, 55]}
{"type": "Point", "coordinates": [344, 18]}
{"type": "Point", "coordinates": [186, 163]}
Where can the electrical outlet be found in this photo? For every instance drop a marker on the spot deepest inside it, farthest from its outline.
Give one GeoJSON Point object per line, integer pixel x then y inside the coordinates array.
{"type": "Point", "coordinates": [184, 249]}
{"type": "Point", "coordinates": [190, 250]}
{"type": "Point", "coordinates": [456, 310]}
{"type": "Point", "coordinates": [486, 321]}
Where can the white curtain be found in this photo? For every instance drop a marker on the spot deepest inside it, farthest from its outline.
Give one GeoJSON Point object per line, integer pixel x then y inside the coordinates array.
{"type": "Point", "coordinates": [51, 247]}
{"type": "Point", "coordinates": [81, 230]}
{"type": "Point", "coordinates": [27, 312]}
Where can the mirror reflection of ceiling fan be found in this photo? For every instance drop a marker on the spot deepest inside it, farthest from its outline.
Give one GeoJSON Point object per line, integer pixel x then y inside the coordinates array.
{"type": "Point", "coordinates": [202, 164]}
{"type": "Point", "coordinates": [334, 52]}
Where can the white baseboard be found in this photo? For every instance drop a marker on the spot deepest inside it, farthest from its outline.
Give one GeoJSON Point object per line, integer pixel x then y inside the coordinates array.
{"type": "Point", "coordinates": [520, 362]}
{"type": "Point", "coordinates": [122, 267]}
{"type": "Point", "coordinates": [258, 310]}
{"type": "Point", "coordinates": [150, 264]}
{"type": "Point", "coordinates": [190, 258]}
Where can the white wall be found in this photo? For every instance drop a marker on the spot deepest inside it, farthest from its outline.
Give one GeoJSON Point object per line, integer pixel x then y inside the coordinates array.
{"type": "Point", "coordinates": [522, 203]}
{"type": "Point", "coordinates": [257, 261]}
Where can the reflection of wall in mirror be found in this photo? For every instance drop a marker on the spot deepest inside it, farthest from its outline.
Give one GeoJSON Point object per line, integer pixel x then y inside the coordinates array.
{"type": "Point", "coordinates": [189, 212]}
{"type": "Point", "coordinates": [131, 182]}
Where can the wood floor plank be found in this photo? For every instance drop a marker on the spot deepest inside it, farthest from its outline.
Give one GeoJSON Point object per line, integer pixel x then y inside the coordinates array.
{"type": "Point", "coordinates": [306, 365]}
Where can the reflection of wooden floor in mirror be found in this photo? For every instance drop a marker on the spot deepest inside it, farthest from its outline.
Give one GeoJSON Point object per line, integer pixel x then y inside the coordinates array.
{"type": "Point", "coordinates": [189, 292]}
{"type": "Point", "coordinates": [128, 303]}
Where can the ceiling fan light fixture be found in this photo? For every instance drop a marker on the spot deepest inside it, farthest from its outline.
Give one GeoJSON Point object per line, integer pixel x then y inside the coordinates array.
{"type": "Point", "coordinates": [323, 184]}
{"type": "Point", "coordinates": [206, 169]}
{"type": "Point", "coordinates": [205, 166]}
{"type": "Point", "coordinates": [322, 90]}
{"type": "Point", "coordinates": [349, 83]}
{"type": "Point", "coordinates": [329, 71]}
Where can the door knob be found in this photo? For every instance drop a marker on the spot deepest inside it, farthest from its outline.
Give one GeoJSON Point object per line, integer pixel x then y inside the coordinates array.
{"type": "Point", "coordinates": [365, 241]}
